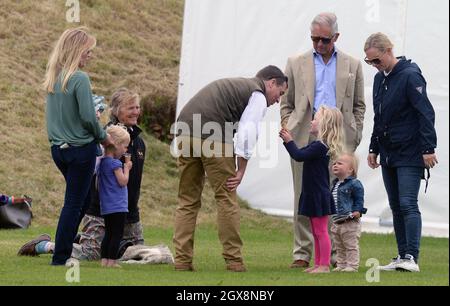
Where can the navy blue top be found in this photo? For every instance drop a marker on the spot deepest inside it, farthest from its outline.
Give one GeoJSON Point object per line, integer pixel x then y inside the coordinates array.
{"type": "Point", "coordinates": [403, 127]}
{"type": "Point", "coordinates": [113, 197]}
{"type": "Point", "coordinates": [316, 199]}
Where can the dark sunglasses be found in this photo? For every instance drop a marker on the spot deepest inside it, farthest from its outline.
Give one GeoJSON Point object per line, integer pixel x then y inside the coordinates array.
{"type": "Point", "coordinates": [375, 61]}
{"type": "Point", "coordinates": [325, 40]}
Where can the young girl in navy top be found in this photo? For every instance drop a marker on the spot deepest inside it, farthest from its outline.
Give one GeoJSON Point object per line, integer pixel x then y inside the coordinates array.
{"type": "Point", "coordinates": [316, 200]}
{"type": "Point", "coordinates": [113, 193]}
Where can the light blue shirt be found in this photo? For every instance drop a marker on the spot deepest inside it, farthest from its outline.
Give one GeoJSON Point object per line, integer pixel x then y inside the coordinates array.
{"type": "Point", "coordinates": [325, 93]}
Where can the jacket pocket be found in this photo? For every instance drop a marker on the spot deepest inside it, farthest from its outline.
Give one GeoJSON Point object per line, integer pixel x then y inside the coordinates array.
{"type": "Point", "coordinates": [350, 90]}
{"type": "Point", "coordinates": [402, 134]}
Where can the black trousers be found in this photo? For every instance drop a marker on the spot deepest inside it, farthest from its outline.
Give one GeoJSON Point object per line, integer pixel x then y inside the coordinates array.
{"type": "Point", "coordinates": [114, 225]}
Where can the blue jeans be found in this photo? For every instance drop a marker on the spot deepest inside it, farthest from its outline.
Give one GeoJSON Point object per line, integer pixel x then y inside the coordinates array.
{"type": "Point", "coordinates": [77, 166]}
{"type": "Point", "coordinates": [402, 185]}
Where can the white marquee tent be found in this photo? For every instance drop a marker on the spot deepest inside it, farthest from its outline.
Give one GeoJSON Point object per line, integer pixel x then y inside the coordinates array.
{"type": "Point", "coordinates": [230, 38]}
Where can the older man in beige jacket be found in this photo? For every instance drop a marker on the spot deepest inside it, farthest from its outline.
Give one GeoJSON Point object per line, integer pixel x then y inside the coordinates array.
{"type": "Point", "coordinates": [324, 75]}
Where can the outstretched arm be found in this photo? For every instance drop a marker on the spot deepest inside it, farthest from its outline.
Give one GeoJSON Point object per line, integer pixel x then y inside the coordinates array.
{"type": "Point", "coordinates": [309, 152]}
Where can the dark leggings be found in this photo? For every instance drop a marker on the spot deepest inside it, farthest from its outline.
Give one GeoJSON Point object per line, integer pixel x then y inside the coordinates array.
{"type": "Point", "coordinates": [114, 224]}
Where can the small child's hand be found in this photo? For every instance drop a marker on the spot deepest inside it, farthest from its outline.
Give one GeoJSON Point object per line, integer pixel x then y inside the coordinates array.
{"type": "Point", "coordinates": [356, 214]}
{"type": "Point", "coordinates": [285, 135]}
{"type": "Point", "coordinates": [128, 165]}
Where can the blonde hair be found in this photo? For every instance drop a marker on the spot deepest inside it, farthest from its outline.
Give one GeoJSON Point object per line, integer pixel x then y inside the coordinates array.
{"type": "Point", "coordinates": [121, 97]}
{"type": "Point", "coordinates": [378, 41]}
{"type": "Point", "coordinates": [331, 130]}
{"type": "Point", "coordinates": [65, 57]}
{"type": "Point", "coordinates": [119, 135]}
{"type": "Point", "coordinates": [354, 161]}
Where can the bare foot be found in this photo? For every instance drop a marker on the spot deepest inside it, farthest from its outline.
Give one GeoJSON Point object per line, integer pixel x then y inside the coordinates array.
{"type": "Point", "coordinates": [309, 270]}
{"type": "Point", "coordinates": [116, 265]}
{"type": "Point", "coordinates": [321, 269]}
{"type": "Point", "coordinates": [113, 264]}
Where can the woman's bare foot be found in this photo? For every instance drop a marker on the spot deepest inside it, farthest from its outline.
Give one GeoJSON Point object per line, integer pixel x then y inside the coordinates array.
{"type": "Point", "coordinates": [113, 264]}
{"type": "Point", "coordinates": [105, 262]}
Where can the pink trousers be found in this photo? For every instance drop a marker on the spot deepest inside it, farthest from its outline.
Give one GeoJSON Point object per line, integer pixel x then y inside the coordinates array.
{"type": "Point", "coordinates": [322, 242]}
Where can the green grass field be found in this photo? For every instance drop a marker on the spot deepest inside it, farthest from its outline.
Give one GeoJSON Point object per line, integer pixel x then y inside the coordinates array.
{"type": "Point", "coordinates": [267, 254]}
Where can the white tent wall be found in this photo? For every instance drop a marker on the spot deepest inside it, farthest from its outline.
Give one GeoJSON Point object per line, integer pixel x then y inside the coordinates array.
{"type": "Point", "coordinates": [229, 38]}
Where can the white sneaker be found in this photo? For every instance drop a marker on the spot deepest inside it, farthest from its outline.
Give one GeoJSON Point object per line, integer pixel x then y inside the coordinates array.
{"type": "Point", "coordinates": [392, 266]}
{"type": "Point", "coordinates": [408, 265]}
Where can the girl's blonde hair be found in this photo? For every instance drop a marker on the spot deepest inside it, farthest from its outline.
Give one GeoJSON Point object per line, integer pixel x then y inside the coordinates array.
{"type": "Point", "coordinates": [354, 162]}
{"type": "Point", "coordinates": [331, 130]}
{"type": "Point", "coordinates": [378, 41]}
{"type": "Point", "coordinates": [121, 97]}
{"type": "Point", "coordinates": [119, 135]}
{"type": "Point", "coordinates": [65, 57]}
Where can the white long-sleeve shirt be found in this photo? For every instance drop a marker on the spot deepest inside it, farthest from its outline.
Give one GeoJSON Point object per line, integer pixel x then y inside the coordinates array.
{"type": "Point", "coordinates": [248, 130]}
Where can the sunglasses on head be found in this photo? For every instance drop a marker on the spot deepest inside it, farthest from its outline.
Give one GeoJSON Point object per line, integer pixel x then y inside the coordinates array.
{"type": "Point", "coordinates": [325, 40]}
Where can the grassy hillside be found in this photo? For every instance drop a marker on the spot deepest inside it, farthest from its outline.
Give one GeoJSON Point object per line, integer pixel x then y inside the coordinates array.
{"type": "Point", "coordinates": [138, 47]}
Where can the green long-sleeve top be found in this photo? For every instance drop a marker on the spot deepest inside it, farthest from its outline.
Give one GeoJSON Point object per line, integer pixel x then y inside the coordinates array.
{"type": "Point", "coordinates": [71, 115]}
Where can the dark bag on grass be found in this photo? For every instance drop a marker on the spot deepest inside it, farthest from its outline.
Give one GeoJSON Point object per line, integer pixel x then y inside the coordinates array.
{"type": "Point", "coordinates": [15, 216]}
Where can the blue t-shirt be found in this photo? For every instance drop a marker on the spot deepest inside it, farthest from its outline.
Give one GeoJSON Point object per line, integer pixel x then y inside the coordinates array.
{"type": "Point", "coordinates": [113, 197]}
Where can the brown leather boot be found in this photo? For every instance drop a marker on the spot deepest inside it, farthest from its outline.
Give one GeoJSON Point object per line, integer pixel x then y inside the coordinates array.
{"type": "Point", "coordinates": [236, 267]}
{"type": "Point", "coordinates": [184, 267]}
{"type": "Point", "coordinates": [300, 264]}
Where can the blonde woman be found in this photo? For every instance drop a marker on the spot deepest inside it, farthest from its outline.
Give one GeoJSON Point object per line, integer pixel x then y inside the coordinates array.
{"type": "Point", "coordinates": [125, 109]}
{"type": "Point", "coordinates": [73, 130]}
{"type": "Point", "coordinates": [404, 138]}
{"type": "Point", "coordinates": [316, 200]}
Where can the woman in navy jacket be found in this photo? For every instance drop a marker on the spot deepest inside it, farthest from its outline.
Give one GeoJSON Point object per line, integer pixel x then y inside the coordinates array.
{"type": "Point", "coordinates": [405, 138]}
